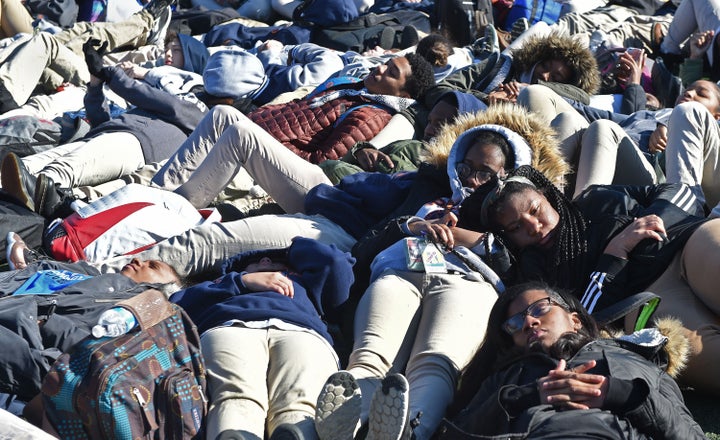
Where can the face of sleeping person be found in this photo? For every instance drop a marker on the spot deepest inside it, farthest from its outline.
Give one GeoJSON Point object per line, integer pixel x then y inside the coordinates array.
{"type": "Point", "coordinates": [552, 71]}
{"type": "Point", "coordinates": [389, 78]}
{"type": "Point", "coordinates": [481, 163]}
{"type": "Point", "coordinates": [704, 92]}
{"type": "Point", "coordinates": [535, 317]}
{"type": "Point", "coordinates": [443, 112]}
{"type": "Point", "coordinates": [150, 271]}
{"type": "Point", "coordinates": [528, 219]}
{"type": "Point", "coordinates": [265, 264]}
{"type": "Point", "coordinates": [174, 54]}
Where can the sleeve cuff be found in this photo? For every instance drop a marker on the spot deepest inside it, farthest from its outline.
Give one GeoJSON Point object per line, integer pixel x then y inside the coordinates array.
{"type": "Point", "coordinates": [405, 226]}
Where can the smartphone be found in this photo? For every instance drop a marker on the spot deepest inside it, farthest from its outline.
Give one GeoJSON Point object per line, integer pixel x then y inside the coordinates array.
{"type": "Point", "coordinates": [635, 52]}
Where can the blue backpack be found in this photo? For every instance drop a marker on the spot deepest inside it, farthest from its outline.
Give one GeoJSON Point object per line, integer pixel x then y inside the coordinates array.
{"type": "Point", "coordinates": [148, 383]}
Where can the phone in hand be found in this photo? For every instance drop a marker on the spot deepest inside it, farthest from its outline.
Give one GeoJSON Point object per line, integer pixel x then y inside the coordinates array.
{"type": "Point", "coordinates": [635, 53]}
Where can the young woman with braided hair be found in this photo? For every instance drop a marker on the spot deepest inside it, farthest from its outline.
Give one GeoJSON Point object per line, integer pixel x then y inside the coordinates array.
{"type": "Point", "coordinates": [611, 242]}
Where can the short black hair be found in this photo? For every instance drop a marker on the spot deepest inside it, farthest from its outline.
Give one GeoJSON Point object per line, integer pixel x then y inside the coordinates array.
{"type": "Point", "coordinates": [421, 78]}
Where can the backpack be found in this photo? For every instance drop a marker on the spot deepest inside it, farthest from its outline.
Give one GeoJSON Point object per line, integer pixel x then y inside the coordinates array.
{"type": "Point", "coordinates": [363, 33]}
{"type": "Point", "coordinates": [148, 383]}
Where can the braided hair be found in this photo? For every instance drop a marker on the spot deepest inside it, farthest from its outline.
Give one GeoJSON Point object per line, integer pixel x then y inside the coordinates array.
{"type": "Point", "coordinates": [566, 267]}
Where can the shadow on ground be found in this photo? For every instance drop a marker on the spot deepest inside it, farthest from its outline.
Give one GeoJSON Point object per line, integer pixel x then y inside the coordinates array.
{"type": "Point", "coordinates": [706, 411]}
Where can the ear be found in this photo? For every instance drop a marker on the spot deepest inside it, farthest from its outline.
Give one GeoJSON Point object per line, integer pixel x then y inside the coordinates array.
{"type": "Point", "coordinates": [577, 324]}
{"type": "Point", "coordinates": [716, 114]}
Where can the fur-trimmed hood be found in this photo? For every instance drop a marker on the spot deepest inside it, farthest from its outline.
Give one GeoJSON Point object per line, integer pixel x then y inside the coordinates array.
{"type": "Point", "coordinates": [560, 47]}
{"type": "Point", "coordinates": [522, 127]}
{"type": "Point", "coordinates": [669, 333]}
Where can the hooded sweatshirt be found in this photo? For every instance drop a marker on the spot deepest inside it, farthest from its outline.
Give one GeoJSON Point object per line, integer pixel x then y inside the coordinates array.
{"type": "Point", "coordinates": [160, 120]}
{"type": "Point", "coordinates": [321, 275]}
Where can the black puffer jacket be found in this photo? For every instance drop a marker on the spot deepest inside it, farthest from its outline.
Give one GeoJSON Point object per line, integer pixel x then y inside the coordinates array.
{"type": "Point", "coordinates": [608, 209]}
{"type": "Point", "coordinates": [36, 329]}
{"type": "Point", "coordinates": [643, 401]}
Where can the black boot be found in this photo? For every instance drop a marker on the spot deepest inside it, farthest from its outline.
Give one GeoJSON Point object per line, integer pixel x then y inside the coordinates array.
{"type": "Point", "coordinates": [17, 181]}
{"type": "Point", "coordinates": [52, 201]}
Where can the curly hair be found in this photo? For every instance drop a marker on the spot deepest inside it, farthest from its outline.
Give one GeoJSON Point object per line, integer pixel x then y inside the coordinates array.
{"type": "Point", "coordinates": [422, 77]}
{"type": "Point", "coordinates": [436, 49]}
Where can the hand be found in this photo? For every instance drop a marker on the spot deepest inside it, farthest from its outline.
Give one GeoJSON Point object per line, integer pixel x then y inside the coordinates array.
{"type": "Point", "coordinates": [650, 226]}
{"type": "Point", "coordinates": [133, 70]}
{"type": "Point", "coordinates": [93, 58]}
{"type": "Point", "coordinates": [629, 70]}
{"type": "Point", "coordinates": [263, 281]}
{"type": "Point", "coordinates": [435, 231]}
{"type": "Point", "coordinates": [513, 88]}
{"type": "Point", "coordinates": [573, 389]}
{"type": "Point", "coordinates": [658, 139]}
{"type": "Point", "coordinates": [369, 158]}
{"type": "Point", "coordinates": [500, 94]}
{"type": "Point", "coordinates": [700, 42]}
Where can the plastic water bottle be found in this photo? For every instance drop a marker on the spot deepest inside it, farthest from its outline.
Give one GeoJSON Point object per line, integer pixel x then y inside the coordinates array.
{"type": "Point", "coordinates": [114, 322]}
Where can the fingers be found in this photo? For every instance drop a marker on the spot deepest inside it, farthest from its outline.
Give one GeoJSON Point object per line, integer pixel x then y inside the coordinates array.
{"type": "Point", "coordinates": [283, 285]}
{"type": "Point", "coordinates": [585, 367]}
{"type": "Point", "coordinates": [442, 234]}
{"type": "Point", "coordinates": [652, 225]}
{"type": "Point", "coordinates": [388, 161]}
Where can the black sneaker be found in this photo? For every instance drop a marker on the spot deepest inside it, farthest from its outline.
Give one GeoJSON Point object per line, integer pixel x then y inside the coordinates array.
{"type": "Point", "coordinates": [17, 181]}
{"type": "Point", "coordinates": [287, 431]}
{"type": "Point", "coordinates": [409, 37]}
{"type": "Point", "coordinates": [487, 44]}
{"type": "Point", "coordinates": [52, 201]}
{"type": "Point", "coordinates": [386, 39]}
{"type": "Point", "coordinates": [389, 407]}
{"type": "Point", "coordinates": [156, 7]}
{"type": "Point", "coordinates": [519, 27]}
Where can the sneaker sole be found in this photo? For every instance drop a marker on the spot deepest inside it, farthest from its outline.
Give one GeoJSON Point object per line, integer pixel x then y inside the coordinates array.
{"type": "Point", "coordinates": [389, 409]}
{"type": "Point", "coordinates": [338, 408]}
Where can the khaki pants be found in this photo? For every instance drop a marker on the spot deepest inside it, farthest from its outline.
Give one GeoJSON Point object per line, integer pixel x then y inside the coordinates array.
{"type": "Point", "coordinates": [14, 18]}
{"type": "Point", "coordinates": [690, 293]}
{"type": "Point", "coordinates": [427, 325]}
{"type": "Point", "coordinates": [261, 378]}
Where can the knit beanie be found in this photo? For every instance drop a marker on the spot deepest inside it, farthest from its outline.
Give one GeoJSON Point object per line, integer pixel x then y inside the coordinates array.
{"type": "Point", "coordinates": [234, 73]}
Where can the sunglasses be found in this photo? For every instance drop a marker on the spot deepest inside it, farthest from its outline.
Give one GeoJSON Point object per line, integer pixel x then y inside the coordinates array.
{"type": "Point", "coordinates": [537, 309]}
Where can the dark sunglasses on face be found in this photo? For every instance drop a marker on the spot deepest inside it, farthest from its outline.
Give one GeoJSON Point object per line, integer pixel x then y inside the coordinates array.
{"type": "Point", "coordinates": [465, 172]}
{"type": "Point", "coordinates": [537, 309]}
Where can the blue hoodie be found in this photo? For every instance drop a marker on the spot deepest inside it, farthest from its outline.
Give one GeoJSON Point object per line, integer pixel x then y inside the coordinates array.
{"type": "Point", "coordinates": [195, 54]}
{"type": "Point", "coordinates": [321, 275]}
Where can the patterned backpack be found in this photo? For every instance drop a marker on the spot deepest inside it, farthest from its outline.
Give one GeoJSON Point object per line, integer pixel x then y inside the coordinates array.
{"type": "Point", "coordinates": [148, 383]}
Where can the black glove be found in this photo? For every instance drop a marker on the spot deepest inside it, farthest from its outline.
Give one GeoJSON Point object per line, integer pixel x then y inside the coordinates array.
{"type": "Point", "coordinates": [93, 58]}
